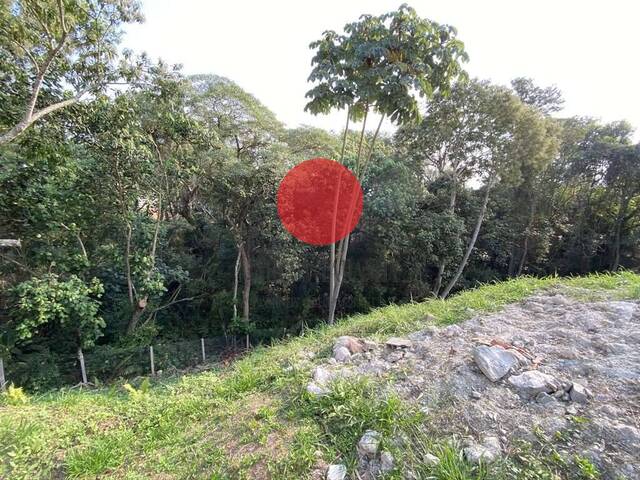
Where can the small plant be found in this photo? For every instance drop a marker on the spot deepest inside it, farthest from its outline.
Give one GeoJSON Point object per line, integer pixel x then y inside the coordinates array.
{"type": "Point", "coordinates": [15, 396]}
{"type": "Point", "coordinates": [587, 469]}
{"type": "Point", "coordinates": [138, 393]}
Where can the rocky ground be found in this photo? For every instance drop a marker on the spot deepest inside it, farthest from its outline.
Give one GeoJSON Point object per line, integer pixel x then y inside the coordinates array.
{"type": "Point", "coordinates": [537, 369]}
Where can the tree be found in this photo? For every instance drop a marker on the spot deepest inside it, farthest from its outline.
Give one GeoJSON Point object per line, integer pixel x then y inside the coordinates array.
{"type": "Point", "coordinates": [483, 132]}
{"type": "Point", "coordinates": [145, 139]}
{"type": "Point", "coordinates": [240, 179]}
{"type": "Point", "coordinates": [447, 143]}
{"type": "Point", "coordinates": [52, 53]}
{"type": "Point", "coordinates": [380, 65]}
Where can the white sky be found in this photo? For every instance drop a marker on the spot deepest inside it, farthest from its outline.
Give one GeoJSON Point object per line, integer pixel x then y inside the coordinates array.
{"type": "Point", "coordinates": [589, 49]}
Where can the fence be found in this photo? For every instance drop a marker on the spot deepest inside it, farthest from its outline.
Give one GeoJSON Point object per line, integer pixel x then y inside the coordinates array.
{"type": "Point", "coordinates": [44, 369]}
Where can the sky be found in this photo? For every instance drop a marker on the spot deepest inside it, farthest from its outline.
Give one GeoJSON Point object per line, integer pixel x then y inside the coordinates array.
{"type": "Point", "coordinates": [588, 49]}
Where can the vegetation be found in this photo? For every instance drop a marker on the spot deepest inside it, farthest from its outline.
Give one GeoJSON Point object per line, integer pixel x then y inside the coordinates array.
{"type": "Point", "coordinates": [255, 419]}
{"type": "Point", "coordinates": [144, 199]}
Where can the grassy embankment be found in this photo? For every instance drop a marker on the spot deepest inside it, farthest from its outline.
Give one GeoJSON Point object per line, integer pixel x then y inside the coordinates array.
{"type": "Point", "coordinates": [255, 420]}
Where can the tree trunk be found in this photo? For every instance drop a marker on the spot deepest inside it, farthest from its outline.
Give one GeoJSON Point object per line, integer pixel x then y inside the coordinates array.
{"type": "Point", "coordinates": [472, 243]}
{"type": "Point", "coordinates": [236, 274]}
{"type": "Point", "coordinates": [525, 241]}
{"type": "Point", "coordinates": [246, 282]}
{"type": "Point", "coordinates": [140, 307]}
{"type": "Point", "coordinates": [617, 234]}
{"type": "Point", "coordinates": [141, 304]}
{"type": "Point", "coordinates": [452, 206]}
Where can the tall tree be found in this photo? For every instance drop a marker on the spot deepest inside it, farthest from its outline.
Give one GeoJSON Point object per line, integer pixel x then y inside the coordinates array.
{"type": "Point", "coordinates": [381, 64]}
{"type": "Point", "coordinates": [240, 180]}
{"type": "Point", "coordinates": [511, 135]}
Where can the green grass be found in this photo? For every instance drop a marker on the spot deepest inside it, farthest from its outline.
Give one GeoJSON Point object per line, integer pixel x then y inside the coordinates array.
{"type": "Point", "coordinates": [254, 419]}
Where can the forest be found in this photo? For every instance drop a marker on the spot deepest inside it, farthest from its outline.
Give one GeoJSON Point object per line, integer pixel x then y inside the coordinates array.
{"type": "Point", "coordinates": [138, 203]}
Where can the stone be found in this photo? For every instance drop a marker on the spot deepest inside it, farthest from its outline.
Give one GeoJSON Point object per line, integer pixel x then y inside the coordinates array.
{"type": "Point", "coordinates": [543, 398]}
{"type": "Point", "coordinates": [396, 342]}
{"type": "Point", "coordinates": [431, 460]}
{"type": "Point", "coordinates": [452, 331]}
{"type": "Point", "coordinates": [487, 452]}
{"type": "Point", "coordinates": [494, 362]}
{"type": "Point", "coordinates": [532, 382]}
{"type": "Point", "coordinates": [369, 345]}
{"type": "Point", "coordinates": [369, 444]}
{"type": "Point", "coordinates": [341, 354]}
{"type": "Point", "coordinates": [316, 390]}
{"type": "Point", "coordinates": [475, 395]}
{"type": "Point", "coordinates": [386, 461]}
{"type": "Point", "coordinates": [322, 376]}
{"type": "Point", "coordinates": [336, 472]}
{"type": "Point", "coordinates": [353, 344]}
{"type": "Point", "coordinates": [580, 394]}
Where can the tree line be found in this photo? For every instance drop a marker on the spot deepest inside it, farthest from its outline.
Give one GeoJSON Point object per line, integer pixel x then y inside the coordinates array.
{"type": "Point", "coordinates": [145, 200]}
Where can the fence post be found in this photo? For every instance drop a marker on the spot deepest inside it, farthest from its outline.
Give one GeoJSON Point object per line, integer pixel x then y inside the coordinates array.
{"type": "Point", "coordinates": [2, 379]}
{"type": "Point", "coordinates": [82, 366]}
{"type": "Point", "coordinates": [153, 366]}
{"type": "Point", "coordinates": [204, 356]}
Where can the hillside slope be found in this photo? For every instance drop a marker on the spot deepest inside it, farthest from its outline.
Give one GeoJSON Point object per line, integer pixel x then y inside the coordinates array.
{"type": "Point", "coordinates": [258, 419]}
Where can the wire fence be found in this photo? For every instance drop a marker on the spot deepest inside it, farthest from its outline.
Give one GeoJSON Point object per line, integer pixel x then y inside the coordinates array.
{"type": "Point", "coordinates": [44, 369]}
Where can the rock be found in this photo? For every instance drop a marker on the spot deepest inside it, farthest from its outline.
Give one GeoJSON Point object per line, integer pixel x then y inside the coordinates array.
{"type": "Point", "coordinates": [571, 410]}
{"type": "Point", "coordinates": [543, 398]}
{"type": "Point", "coordinates": [369, 345]}
{"type": "Point", "coordinates": [341, 354]}
{"type": "Point", "coordinates": [452, 331]}
{"type": "Point", "coordinates": [430, 460]}
{"type": "Point", "coordinates": [475, 395]}
{"type": "Point", "coordinates": [579, 393]}
{"type": "Point", "coordinates": [486, 452]}
{"type": "Point", "coordinates": [353, 344]}
{"type": "Point", "coordinates": [495, 362]}
{"type": "Point", "coordinates": [395, 356]}
{"type": "Point", "coordinates": [336, 472]}
{"type": "Point", "coordinates": [396, 342]}
{"type": "Point", "coordinates": [628, 436]}
{"type": "Point", "coordinates": [316, 390]}
{"type": "Point", "coordinates": [532, 382]}
{"type": "Point", "coordinates": [322, 376]}
{"type": "Point", "coordinates": [386, 462]}
{"type": "Point", "coordinates": [368, 444]}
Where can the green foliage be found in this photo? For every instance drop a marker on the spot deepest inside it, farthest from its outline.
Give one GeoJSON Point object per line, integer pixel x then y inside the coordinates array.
{"type": "Point", "coordinates": [380, 61]}
{"type": "Point", "coordinates": [14, 396]}
{"type": "Point", "coordinates": [139, 393]}
{"type": "Point", "coordinates": [70, 304]}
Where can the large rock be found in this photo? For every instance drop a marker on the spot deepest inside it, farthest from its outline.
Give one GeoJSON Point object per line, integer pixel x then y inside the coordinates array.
{"type": "Point", "coordinates": [341, 354]}
{"type": "Point", "coordinates": [336, 472]}
{"type": "Point", "coordinates": [353, 344]}
{"type": "Point", "coordinates": [579, 393]}
{"type": "Point", "coordinates": [369, 444]}
{"type": "Point", "coordinates": [533, 382]}
{"type": "Point", "coordinates": [495, 362]}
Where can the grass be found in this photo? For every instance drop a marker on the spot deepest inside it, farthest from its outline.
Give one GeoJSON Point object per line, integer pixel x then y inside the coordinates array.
{"type": "Point", "coordinates": [255, 419]}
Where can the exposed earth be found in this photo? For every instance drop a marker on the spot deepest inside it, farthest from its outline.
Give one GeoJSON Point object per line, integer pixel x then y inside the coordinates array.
{"type": "Point", "coordinates": [549, 368]}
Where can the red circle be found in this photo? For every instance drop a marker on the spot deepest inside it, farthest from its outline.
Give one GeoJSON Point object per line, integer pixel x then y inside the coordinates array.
{"type": "Point", "coordinates": [320, 201]}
